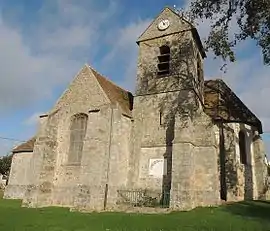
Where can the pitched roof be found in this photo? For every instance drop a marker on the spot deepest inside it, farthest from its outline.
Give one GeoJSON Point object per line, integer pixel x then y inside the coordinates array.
{"type": "Point", "coordinates": [115, 93]}
{"type": "Point", "coordinates": [221, 103]}
{"type": "Point", "coordinates": [193, 30]}
{"type": "Point", "coordinates": [27, 146]}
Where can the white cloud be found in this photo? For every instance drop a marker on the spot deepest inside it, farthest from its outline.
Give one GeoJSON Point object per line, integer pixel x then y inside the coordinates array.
{"type": "Point", "coordinates": [125, 49]}
{"type": "Point", "coordinates": [33, 119]}
{"type": "Point", "coordinates": [31, 65]}
{"type": "Point", "coordinates": [75, 25]}
{"type": "Point", "coordinates": [34, 62]}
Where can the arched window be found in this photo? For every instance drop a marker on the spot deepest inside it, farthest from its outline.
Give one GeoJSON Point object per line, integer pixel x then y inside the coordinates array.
{"type": "Point", "coordinates": [164, 60]}
{"type": "Point", "coordinates": [242, 147]}
{"type": "Point", "coordinates": [77, 134]}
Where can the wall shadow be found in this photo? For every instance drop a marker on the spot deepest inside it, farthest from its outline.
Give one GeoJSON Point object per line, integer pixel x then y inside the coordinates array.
{"type": "Point", "coordinates": [229, 178]}
{"type": "Point", "coordinates": [248, 170]}
{"type": "Point", "coordinates": [176, 96]}
{"type": "Point", "coordinates": [222, 162]}
{"type": "Point", "coordinates": [250, 209]}
{"type": "Point", "coordinates": [167, 178]}
{"type": "Point", "coordinates": [228, 168]}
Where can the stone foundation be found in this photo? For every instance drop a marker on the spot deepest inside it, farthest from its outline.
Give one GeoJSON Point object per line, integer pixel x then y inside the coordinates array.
{"type": "Point", "coordinates": [267, 195]}
{"type": "Point", "coordinates": [15, 191]}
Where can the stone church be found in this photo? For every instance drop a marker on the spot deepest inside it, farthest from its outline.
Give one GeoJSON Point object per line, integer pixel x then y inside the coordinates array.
{"type": "Point", "coordinates": [178, 142]}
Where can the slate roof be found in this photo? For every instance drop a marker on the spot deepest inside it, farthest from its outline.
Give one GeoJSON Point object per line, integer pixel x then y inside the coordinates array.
{"type": "Point", "coordinates": [115, 93]}
{"type": "Point", "coordinates": [221, 103]}
{"type": "Point", "coordinates": [27, 146]}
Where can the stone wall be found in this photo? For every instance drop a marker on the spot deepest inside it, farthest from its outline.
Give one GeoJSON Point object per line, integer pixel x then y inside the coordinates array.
{"type": "Point", "coordinates": [177, 24]}
{"type": "Point", "coordinates": [91, 170]}
{"type": "Point", "coordinates": [153, 132]}
{"type": "Point", "coordinates": [182, 65]}
{"type": "Point", "coordinates": [169, 122]}
{"type": "Point", "coordinates": [243, 181]}
{"type": "Point", "coordinates": [260, 168]}
{"type": "Point", "coordinates": [266, 194]}
{"type": "Point", "coordinates": [94, 182]}
{"type": "Point", "coordinates": [39, 192]}
{"type": "Point", "coordinates": [53, 177]}
{"type": "Point", "coordinates": [119, 158]}
{"type": "Point", "coordinates": [195, 180]}
{"type": "Point", "coordinates": [30, 199]}
{"type": "Point", "coordinates": [188, 143]}
{"type": "Point", "coordinates": [19, 177]}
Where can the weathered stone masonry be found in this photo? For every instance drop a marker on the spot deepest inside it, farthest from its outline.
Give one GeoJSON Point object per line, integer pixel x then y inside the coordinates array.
{"type": "Point", "coordinates": [175, 118]}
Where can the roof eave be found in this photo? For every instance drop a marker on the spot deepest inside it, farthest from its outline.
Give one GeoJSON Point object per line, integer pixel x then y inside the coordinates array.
{"type": "Point", "coordinates": [254, 120]}
{"type": "Point", "coordinates": [21, 151]}
{"type": "Point", "coordinates": [198, 39]}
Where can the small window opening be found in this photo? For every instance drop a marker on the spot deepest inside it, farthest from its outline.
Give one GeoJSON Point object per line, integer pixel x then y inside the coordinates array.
{"type": "Point", "coordinates": [242, 147]}
{"type": "Point", "coordinates": [160, 118]}
{"type": "Point", "coordinates": [199, 69]}
{"type": "Point", "coordinates": [164, 60]}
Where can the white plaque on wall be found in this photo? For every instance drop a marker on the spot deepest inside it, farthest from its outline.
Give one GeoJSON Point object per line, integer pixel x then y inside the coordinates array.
{"type": "Point", "coordinates": [157, 167]}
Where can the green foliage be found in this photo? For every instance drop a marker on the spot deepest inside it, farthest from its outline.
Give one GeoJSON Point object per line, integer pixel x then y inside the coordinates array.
{"type": "Point", "coordinates": [249, 216]}
{"type": "Point", "coordinates": [5, 164]}
{"type": "Point", "coordinates": [251, 16]}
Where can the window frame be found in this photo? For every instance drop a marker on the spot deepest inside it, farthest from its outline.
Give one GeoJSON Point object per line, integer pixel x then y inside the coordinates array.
{"type": "Point", "coordinates": [164, 61]}
{"type": "Point", "coordinates": [77, 133]}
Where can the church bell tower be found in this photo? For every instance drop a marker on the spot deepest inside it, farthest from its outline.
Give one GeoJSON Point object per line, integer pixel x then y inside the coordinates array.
{"type": "Point", "coordinates": [169, 89]}
{"type": "Point", "coordinates": [170, 56]}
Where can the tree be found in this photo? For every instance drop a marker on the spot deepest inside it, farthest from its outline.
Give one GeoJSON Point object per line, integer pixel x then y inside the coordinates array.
{"type": "Point", "coordinates": [252, 18]}
{"type": "Point", "coordinates": [5, 164]}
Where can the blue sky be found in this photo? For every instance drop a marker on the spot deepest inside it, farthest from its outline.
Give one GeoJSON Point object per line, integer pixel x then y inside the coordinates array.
{"type": "Point", "coordinates": [45, 43]}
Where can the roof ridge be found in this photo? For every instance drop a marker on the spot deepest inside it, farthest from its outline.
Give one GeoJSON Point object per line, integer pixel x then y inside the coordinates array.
{"type": "Point", "coordinates": [107, 79]}
{"type": "Point", "coordinates": [180, 16]}
{"type": "Point", "coordinates": [114, 93]}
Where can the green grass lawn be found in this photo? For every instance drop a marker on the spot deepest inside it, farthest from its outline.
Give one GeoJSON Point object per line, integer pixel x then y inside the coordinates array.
{"type": "Point", "coordinates": [241, 216]}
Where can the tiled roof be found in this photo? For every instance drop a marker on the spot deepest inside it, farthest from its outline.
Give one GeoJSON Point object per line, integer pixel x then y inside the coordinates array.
{"type": "Point", "coordinates": [115, 93]}
{"type": "Point", "coordinates": [221, 102]}
{"type": "Point", "coordinates": [27, 146]}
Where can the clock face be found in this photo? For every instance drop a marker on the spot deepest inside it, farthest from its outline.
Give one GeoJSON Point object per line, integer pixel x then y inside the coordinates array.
{"type": "Point", "coordinates": [164, 24]}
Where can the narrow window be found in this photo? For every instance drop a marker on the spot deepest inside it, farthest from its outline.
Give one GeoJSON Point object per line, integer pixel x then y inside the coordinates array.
{"type": "Point", "coordinates": [242, 147]}
{"type": "Point", "coordinates": [199, 69]}
{"type": "Point", "coordinates": [77, 135]}
{"type": "Point", "coordinates": [164, 60]}
{"type": "Point", "coordinates": [160, 118]}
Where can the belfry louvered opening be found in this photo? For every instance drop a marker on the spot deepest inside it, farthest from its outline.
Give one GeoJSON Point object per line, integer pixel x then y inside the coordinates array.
{"type": "Point", "coordinates": [164, 60]}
